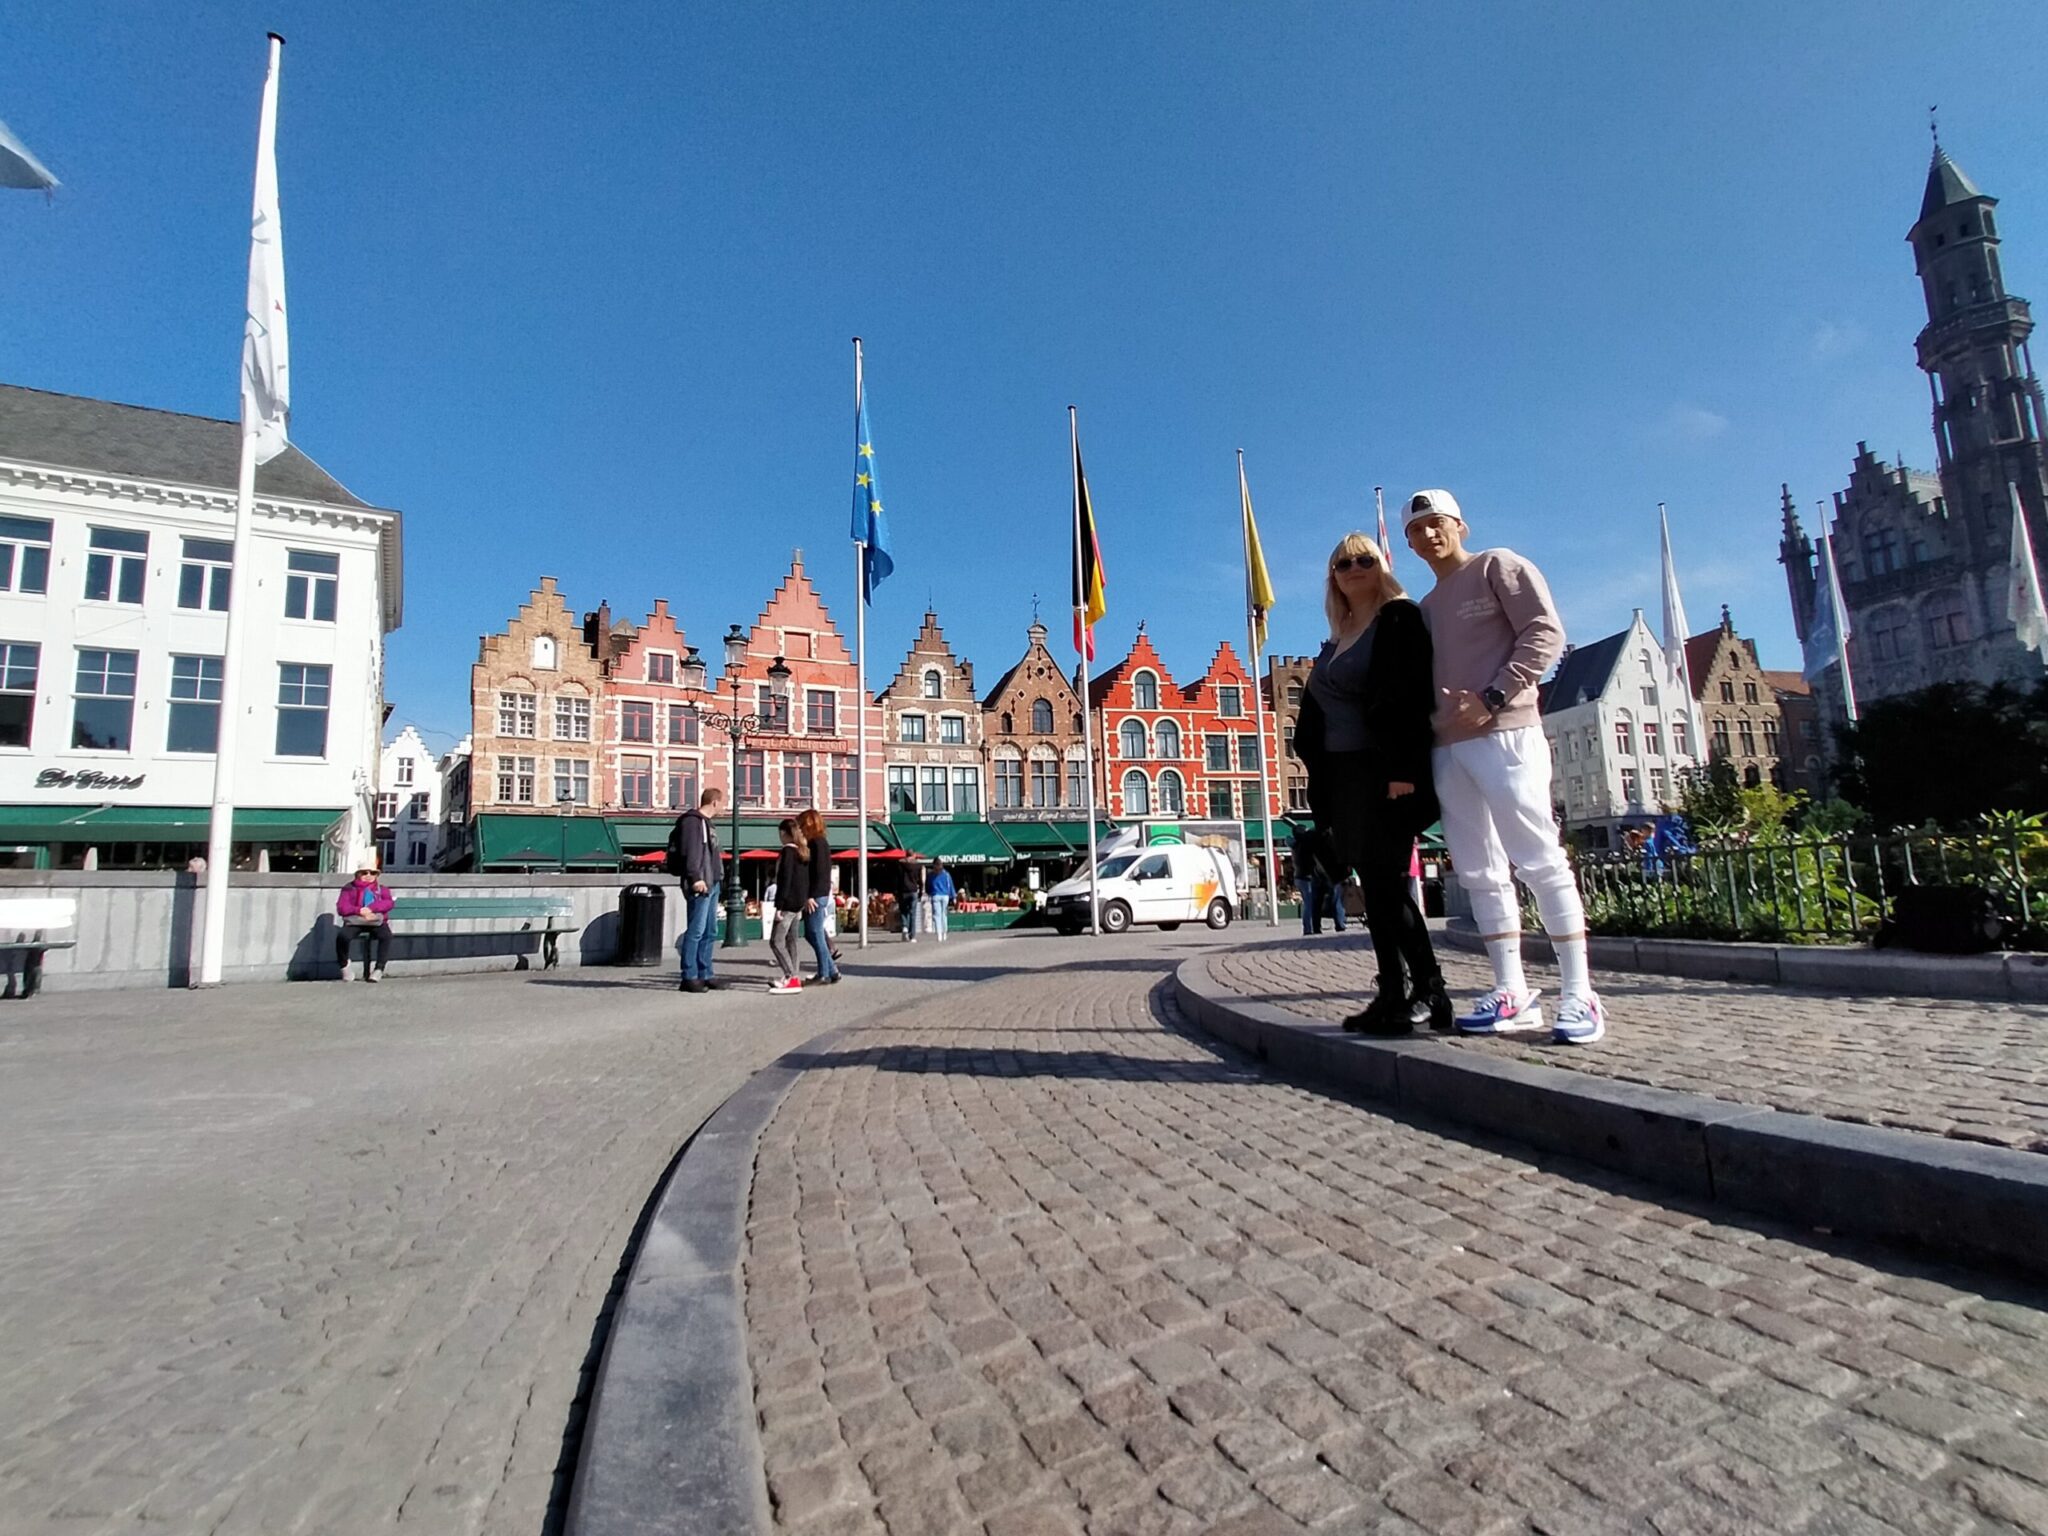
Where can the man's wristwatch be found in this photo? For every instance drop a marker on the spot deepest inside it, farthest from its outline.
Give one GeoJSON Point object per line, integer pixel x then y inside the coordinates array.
{"type": "Point", "coordinates": [1494, 700]}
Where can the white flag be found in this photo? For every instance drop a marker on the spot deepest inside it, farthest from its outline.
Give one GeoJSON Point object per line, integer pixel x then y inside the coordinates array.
{"type": "Point", "coordinates": [266, 360]}
{"type": "Point", "coordinates": [19, 168]}
{"type": "Point", "coordinates": [1674, 611]}
{"type": "Point", "coordinates": [1828, 633]}
{"type": "Point", "coordinates": [2023, 603]}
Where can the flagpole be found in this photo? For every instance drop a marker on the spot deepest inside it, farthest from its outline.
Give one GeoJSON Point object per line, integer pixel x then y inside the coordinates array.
{"type": "Point", "coordinates": [860, 673]}
{"type": "Point", "coordinates": [1379, 505]}
{"type": "Point", "coordinates": [220, 832]}
{"type": "Point", "coordinates": [1081, 650]}
{"type": "Point", "coordinates": [1258, 650]}
{"type": "Point", "coordinates": [1670, 574]}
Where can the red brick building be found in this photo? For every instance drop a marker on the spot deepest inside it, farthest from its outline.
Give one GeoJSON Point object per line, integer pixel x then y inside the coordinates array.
{"type": "Point", "coordinates": [1144, 738]}
{"type": "Point", "coordinates": [1225, 735]}
{"type": "Point", "coordinates": [653, 756]}
{"type": "Point", "coordinates": [812, 759]}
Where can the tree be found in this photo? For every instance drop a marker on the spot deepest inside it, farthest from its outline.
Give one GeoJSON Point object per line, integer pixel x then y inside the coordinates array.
{"type": "Point", "coordinates": [1711, 798]}
{"type": "Point", "coordinates": [1948, 754]}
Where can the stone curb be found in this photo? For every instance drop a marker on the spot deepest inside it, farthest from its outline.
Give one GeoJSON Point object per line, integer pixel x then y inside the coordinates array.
{"type": "Point", "coordinates": [671, 1440]}
{"type": "Point", "coordinates": [2018, 978]}
{"type": "Point", "coordinates": [1962, 1201]}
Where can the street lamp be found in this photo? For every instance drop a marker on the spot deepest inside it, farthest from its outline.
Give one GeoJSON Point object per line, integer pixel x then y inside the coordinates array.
{"type": "Point", "coordinates": [737, 725]}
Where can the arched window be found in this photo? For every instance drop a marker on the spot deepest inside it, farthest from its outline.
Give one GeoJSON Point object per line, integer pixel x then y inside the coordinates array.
{"type": "Point", "coordinates": [931, 683]}
{"type": "Point", "coordinates": [1079, 726]}
{"type": "Point", "coordinates": [1041, 717]}
{"type": "Point", "coordinates": [1137, 794]}
{"type": "Point", "coordinates": [1171, 801]}
{"type": "Point", "coordinates": [1006, 724]}
{"type": "Point", "coordinates": [1167, 738]}
{"type": "Point", "coordinates": [1145, 689]}
{"type": "Point", "coordinates": [544, 653]}
{"type": "Point", "coordinates": [1133, 738]}
{"type": "Point", "coordinates": [1752, 776]}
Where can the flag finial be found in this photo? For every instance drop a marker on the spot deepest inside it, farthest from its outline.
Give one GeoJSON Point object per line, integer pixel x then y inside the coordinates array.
{"type": "Point", "coordinates": [1934, 127]}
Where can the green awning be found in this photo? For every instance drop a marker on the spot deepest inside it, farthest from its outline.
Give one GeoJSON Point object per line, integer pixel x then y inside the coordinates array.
{"type": "Point", "coordinates": [643, 834]}
{"type": "Point", "coordinates": [957, 842]}
{"type": "Point", "coordinates": [1255, 835]}
{"type": "Point", "coordinates": [1055, 839]}
{"type": "Point", "coordinates": [545, 842]}
{"type": "Point", "coordinates": [156, 824]}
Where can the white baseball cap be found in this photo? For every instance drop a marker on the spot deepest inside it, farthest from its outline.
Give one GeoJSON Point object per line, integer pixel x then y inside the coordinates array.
{"type": "Point", "coordinates": [1428, 503]}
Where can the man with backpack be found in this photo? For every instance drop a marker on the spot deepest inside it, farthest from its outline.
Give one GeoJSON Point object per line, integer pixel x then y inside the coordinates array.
{"type": "Point", "coordinates": [693, 858]}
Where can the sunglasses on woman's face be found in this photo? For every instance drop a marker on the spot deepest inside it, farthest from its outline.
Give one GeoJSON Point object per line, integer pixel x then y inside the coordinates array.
{"type": "Point", "coordinates": [1346, 562]}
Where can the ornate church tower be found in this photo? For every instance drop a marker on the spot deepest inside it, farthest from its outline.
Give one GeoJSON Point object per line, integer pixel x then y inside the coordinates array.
{"type": "Point", "coordinates": [1988, 414]}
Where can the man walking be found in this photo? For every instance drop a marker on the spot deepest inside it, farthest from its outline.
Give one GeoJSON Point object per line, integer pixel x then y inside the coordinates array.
{"type": "Point", "coordinates": [1496, 633]}
{"type": "Point", "coordinates": [693, 856]}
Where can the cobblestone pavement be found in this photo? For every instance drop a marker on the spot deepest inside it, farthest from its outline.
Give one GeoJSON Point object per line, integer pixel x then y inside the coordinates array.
{"type": "Point", "coordinates": [1973, 1070]}
{"type": "Point", "coordinates": [326, 1258]}
{"type": "Point", "coordinates": [1049, 1263]}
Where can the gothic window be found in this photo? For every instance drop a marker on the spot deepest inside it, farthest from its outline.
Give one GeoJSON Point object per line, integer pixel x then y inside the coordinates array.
{"type": "Point", "coordinates": [1041, 718]}
{"type": "Point", "coordinates": [1888, 635]}
{"type": "Point", "coordinates": [1880, 551]}
{"type": "Point", "coordinates": [1948, 624]}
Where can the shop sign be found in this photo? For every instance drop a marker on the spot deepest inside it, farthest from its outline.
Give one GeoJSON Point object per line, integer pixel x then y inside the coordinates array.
{"type": "Point", "coordinates": [57, 778]}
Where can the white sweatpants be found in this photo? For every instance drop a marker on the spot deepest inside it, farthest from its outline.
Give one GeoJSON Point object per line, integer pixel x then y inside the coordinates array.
{"type": "Point", "coordinates": [1495, 793]}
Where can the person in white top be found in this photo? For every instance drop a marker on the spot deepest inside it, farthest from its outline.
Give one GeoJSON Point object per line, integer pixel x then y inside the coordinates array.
{"type": "Point", "coordinates": [1495, 633]}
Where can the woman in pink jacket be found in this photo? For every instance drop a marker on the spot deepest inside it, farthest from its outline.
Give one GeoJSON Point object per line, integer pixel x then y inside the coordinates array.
{"type": "Point", "coordinates": [363, 907]}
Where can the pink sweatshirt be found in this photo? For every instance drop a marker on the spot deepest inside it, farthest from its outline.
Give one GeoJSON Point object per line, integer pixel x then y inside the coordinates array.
{"type": "Point", "coordinates": [1493, 625]}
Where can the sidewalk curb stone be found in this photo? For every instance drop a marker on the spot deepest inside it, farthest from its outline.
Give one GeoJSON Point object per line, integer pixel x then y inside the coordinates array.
{"type": "Point", "coordinates": [1961, 1200]}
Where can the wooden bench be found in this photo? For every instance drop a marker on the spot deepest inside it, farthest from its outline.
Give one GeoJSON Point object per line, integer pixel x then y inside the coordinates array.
{"type": "Point", "coordinates": [548, 916]}
{"type": "Point", "coordinates": [25, 926]}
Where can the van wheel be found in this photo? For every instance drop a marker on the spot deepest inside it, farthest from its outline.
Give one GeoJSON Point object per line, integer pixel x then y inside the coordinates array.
{"type": "Point", "coordinates": [1168, 927]}
{"type": "Point", "coordinates": [1116, 917]}
{"type": "Point", "coordinates": [1219, 914]}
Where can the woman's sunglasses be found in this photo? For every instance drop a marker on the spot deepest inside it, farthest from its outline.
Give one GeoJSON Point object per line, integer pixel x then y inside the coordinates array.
{"type": "Point", "coordinates": [1346, 562]}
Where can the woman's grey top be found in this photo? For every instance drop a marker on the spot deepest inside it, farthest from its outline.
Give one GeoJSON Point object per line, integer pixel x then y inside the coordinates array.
{"type": "Point", "coordinates": [1338, 682]}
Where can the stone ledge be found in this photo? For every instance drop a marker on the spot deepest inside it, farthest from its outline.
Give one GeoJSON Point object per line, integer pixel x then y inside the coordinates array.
{"type": "Point", "coordinates": [1834, 968]}
{"type": "Point", "coordinates": [1963, 1201]}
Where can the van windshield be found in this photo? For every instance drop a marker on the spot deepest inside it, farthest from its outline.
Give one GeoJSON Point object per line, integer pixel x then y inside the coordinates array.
{"type": "Point", "coordinates": [1110, 868]}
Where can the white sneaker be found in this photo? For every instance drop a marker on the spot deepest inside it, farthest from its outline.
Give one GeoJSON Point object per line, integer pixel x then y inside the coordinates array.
{"type": "Point", "coordinates": [345, 974]}
{"type": "Point", "coordinates": [1502, 1012]}
{"type": "Point", "coordinates": [1580, 1020]}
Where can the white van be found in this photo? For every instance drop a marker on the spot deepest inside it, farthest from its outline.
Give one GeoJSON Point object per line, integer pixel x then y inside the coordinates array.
{"type": "Point", "coordinates": [1168, 885]}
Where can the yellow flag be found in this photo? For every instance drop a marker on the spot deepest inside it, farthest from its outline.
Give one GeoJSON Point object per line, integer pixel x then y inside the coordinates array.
{"type": "Point", "coordinates": [1258, 585]}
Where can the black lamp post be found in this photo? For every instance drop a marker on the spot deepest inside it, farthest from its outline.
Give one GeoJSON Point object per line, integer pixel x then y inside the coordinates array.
{"type": "Point", "coordinates": [737, 725]}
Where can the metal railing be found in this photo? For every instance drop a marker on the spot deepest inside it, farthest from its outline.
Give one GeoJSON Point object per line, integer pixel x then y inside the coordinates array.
{"type": "Point", "coordinates": [1810, 890]}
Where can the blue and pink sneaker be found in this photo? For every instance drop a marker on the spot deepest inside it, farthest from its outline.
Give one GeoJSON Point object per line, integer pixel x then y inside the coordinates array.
{"type": "Point", "coordinates": [1502, 1012]}
{"type": "Point", "coordinates": [1580, 1020]}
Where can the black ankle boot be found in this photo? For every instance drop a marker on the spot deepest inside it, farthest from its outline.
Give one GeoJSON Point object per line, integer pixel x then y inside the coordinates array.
{"type": "Point", "coordinates": [1386, 1014]}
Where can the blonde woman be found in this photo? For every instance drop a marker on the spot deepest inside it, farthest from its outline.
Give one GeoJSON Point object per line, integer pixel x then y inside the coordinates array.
{"type": "Point", "coordinates": [1364, 735]}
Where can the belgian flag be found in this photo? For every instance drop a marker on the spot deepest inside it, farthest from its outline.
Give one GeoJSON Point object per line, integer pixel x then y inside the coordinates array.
{"type": "Point", "coordinates": [1089, 602]}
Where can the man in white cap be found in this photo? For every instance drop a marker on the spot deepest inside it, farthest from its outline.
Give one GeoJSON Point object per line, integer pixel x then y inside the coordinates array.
{"type": "Point", "coordinates": [1496, 633]}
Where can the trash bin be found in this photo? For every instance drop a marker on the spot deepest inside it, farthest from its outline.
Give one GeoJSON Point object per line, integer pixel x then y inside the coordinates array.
{"type": "Point", "coordinates": [640, 911]}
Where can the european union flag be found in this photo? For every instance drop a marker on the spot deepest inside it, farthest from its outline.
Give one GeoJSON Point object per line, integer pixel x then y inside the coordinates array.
{"type": "Point", "coordinates": [869, 527]}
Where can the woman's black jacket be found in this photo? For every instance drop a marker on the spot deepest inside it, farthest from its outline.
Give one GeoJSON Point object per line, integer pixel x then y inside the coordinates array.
{"type": "Point", "coordinates": [790, 879]}
{"type": "Point", "coordinates": [821, 872]}
{"type": "Point", "coordinates": [1400, 696]}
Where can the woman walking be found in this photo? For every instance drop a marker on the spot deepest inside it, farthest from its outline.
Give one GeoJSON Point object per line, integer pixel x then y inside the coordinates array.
{"type": "Point", "coordinates": [1364, 735]}
{"type": "Point", "coordinates": [940, 885]}
{"type": "Point", "coordinates": [792, 890]}
{"type": "Point", "coordinates": [818, 887]}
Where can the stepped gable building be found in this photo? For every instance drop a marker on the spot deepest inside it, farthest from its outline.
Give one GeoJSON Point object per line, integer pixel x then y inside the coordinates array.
{"type": "Point", "coordinates": [1804, 749]}
{"type": "Point", "coordinates": [1286, 685]}
{"type": "Point", "coordinates": [653, 749]}
{"type": "Point", "coordinates": [535, 696]}
{"type": "Point", "coordinates": [1924, 558]}
{"type": "Point", "coordinates": [1145, 729]}
{"type": "Point", "coordinates": [932, 731]}
{"type": "Point", "coordinates": [811, 759]}
{"type": "Point", "coordinates": [1031, 727]}
{"type": "Point", "coordinates": [1740, 712]}
{"type": "Point", "coordinates": [408, 812]}
{"type": "Point", "coordinates": [1224, 731]}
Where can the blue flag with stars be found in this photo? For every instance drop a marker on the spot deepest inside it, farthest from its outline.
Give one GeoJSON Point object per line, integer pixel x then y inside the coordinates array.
{"type": "Point", "coordinates": [869, 526]}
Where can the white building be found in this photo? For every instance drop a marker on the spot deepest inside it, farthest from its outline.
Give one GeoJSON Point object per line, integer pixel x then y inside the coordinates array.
{"type": "Point", "coordinates": [408, 810]}
{"type": "Point", "coordinates": [116, 529]}
{"type": "Point", "coordinates": [1622, 733]}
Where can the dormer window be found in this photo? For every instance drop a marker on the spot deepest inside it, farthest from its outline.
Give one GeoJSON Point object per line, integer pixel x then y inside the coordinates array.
{"type": "Point", "coordinates": [1145, 690]}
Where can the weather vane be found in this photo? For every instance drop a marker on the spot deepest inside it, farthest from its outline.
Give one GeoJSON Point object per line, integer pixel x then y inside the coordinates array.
{"type": "Point", "coordinates": [1034, 607]}
{"type": "Point", "coordinates": [1934, 124]}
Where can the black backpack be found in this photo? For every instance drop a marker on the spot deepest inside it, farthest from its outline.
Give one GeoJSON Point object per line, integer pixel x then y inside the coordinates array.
{"type": "Point", "coordinates": [675, 864]}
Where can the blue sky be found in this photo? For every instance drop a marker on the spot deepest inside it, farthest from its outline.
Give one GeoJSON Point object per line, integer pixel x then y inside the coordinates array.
{"type": "Point", "coordinates": [578, 297]}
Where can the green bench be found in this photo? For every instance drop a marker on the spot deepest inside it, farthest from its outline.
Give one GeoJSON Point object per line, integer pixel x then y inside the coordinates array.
{"type": "Point", "coordinates": [547, 916]}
